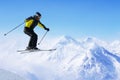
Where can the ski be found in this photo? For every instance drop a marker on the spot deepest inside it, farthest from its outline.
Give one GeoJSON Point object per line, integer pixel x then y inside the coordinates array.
{"type": "Point", "coordinates": [29, 51]}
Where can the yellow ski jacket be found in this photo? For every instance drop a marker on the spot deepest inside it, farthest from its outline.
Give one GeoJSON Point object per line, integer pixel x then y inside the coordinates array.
{"type": "Point", "coordinates": [31, 23]}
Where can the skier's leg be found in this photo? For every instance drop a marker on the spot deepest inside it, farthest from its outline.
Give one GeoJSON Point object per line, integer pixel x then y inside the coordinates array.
{"type": "Point", "coordinates": [33, 38]}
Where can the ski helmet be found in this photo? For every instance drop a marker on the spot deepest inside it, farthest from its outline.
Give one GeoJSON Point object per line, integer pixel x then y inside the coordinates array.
{"type": "Point", "coordinates": [38, 14]}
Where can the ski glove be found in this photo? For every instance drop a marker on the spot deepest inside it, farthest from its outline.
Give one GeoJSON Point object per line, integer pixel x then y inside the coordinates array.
{"type": "Point", "coordinates": [47, 29]}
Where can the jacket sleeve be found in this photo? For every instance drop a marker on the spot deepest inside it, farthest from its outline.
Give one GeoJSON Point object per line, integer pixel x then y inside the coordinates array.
{"type": "Point", "coordinates": [41, 25]}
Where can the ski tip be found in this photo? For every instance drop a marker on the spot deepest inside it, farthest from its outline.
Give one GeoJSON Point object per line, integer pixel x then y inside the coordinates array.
{"type": "Point", "coordinates": [52, 49]}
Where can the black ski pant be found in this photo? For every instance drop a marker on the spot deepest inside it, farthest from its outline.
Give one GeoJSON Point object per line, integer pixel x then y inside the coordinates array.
{"type": "Point", "coordinates": [33, 37]}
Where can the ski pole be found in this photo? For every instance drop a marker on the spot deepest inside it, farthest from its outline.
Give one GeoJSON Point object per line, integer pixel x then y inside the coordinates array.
{"type": "Point", "coordinates": [13, 29]}
{"type": "Point", "coordinates": [42, 38]}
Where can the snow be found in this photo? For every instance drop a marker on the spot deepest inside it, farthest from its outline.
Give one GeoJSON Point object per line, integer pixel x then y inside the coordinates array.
{"type": "Point", "coordinates": [87, 59]}
{"type": "Point", "coordinates": [6, 75]}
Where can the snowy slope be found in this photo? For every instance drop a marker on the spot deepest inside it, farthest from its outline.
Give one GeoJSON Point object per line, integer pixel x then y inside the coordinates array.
{"type": "Point", "coordinates": [86, 60]}
{"type": "Point", "coordinates": [6, 75]}
{"type": "Point", "coordinates": [89, 59]}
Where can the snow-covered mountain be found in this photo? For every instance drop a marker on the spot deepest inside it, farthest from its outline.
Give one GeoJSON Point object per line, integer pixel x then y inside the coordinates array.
{"type": "Point", "coordinates": [88, 59]}
{"type": "Point", "coordinates": [6, 75]}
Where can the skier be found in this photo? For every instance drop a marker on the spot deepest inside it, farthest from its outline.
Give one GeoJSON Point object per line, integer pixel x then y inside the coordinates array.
{"type": "Point", "coordinates": [30, 23]}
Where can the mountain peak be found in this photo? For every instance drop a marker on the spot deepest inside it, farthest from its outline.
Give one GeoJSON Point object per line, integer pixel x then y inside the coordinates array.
{"type": "Point", "coordinates": [66, 39]}
{"type": "Point", "coordinates": [89, 39]}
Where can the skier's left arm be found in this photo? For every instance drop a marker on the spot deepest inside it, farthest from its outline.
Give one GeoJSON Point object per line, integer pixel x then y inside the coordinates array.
{"type": "Point", "coordinates": [42, 26]}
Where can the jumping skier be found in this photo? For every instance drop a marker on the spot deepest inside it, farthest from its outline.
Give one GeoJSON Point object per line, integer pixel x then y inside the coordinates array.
{"type": "Point", "coordinates": [30, 23]}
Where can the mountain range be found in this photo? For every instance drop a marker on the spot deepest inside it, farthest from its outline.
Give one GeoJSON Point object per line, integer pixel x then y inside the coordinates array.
{"type": "Point", "coordinates": [73, 59]}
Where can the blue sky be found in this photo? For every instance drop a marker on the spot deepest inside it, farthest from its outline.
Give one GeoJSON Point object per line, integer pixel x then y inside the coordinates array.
{"type": "Point", "coordinates": [76, 18]}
